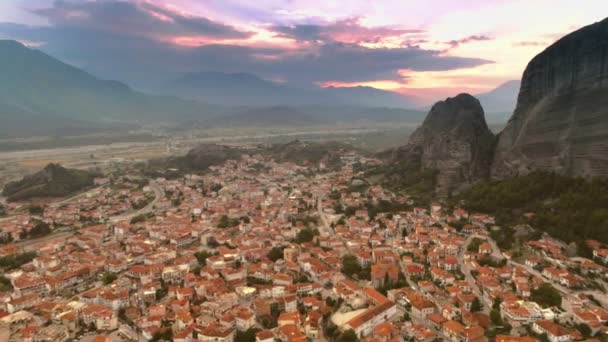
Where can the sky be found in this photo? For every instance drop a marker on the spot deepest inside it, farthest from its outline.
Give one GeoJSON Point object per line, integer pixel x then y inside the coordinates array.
{"type": "Point", "coordinates": [428, 49]}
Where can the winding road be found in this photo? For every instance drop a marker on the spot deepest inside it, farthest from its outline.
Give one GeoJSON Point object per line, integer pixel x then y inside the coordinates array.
{"type": "Point", "coordinates": [159, 193]}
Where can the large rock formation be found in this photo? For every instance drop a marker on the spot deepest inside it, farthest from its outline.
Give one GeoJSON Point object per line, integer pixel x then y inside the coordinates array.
{"type": "Point", "coordinates": [561, 119]}
{"type": "Point", "coordinates": [52, 181]}
{"type": "Point", "coordinates": [455, 141]}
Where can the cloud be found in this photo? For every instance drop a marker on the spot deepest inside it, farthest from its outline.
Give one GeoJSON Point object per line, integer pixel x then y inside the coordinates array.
{"type": "Point", "coordinates": [134, 18]}
{"type": "Point", "coordinates": [469, 39]}
{"type": "Point", "coordinates": [345, 31]}
{"type": "Point", "coordinates": [134, 42]}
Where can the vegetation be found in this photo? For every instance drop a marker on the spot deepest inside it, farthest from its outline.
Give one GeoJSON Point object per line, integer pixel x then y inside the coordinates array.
{"type": "Point", "coordinates": [40, 229]}
{"type": "Point", "coordinates": [5, 284]}
{"type": "Point", "coordinates": [226, 222]}
{"type": "Point", "coordinates": [384, 206]}
{"type": "Point", "coordinates": [246, 336]}
{"type": "Point", "coordinates": [473, 247]}
{"type": "Point", "coordinates": [571, 209]}
{"type": "Point", "coordinates": [546, 296]}
{"type": "Point", "coordinates": [476, 305]}
{"type": "Point", "coordinates": [407, 176]}
{"type": "Point", "coordinates": [36, 210]}
{"type": "Point", "coordinates": [348, 336]}
{"type": "Point", "coordinates": [13, 261]}
{"type": "Point", "coordinates": [306, 235]}
{"type": "Point", "coordinates": [53, 181]}
{"type": "Point", "coordinates": [108, 278]}
{"type": "Point", "coordinates": [391, 285]}
{"type": "Point", "coordinates": [352, 269]}
{"type": "Point", "coordinates": [201, 257]}
{"type": "Point", "coordinates": [275, 253]}
{"type": "Point", "coordinates": [138, 219]}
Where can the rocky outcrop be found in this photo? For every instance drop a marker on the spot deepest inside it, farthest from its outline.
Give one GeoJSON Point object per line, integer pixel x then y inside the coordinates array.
{"type": "Point", "coordinates": [52, 181]}
{"type": "Point", "coordinates": [455, 141]}
{"type": "Point", "coordinates": [206, 155]}
{"type": "Point", "coordinates": [561, 119]}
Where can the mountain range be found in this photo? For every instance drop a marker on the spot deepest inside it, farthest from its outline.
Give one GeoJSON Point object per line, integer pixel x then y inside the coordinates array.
{"type": "Point", "coordinates": [40, 95]}
{"type": "Point", "coordinates": [243, 89]}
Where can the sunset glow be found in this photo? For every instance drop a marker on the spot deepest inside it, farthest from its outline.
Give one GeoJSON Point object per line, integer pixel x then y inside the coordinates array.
{"type": "Point", "coordinates": [404, 46]}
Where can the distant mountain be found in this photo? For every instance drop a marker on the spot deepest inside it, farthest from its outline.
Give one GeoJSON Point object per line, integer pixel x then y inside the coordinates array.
{"type": "Point", "coordinates": [276, 116]}
{"type": "Point", "coordinates": [41, 94]}
{"type": "Point", "coordinates": [53, 181]}
{"type": "Point", "coordinates": [242, 89]}
{"type": "Point", "coordinates": [372, 97]}
{"type": "Point", "coordinates": [502, 99]}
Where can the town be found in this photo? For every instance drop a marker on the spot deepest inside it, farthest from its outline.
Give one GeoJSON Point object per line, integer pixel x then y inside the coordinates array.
{"type": "Point", "coordinates": [256, 250]}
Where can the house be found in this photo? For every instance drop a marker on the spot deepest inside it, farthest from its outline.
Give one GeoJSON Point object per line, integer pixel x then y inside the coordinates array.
{"type": "Point", "coordinates": [365, 322]}
{"type": "Point", "coordinates": [422, 307]}
{"type": "Point", "coordinates": [485, 248]}
{"type": "Point", "coordinates": [264, 336]}
{"type": "Point", "coordinates": [601, 254]}
{"type": "Point", "coordinates": [555, 333]}
{"type": "Point", "coordinates": [216, 333]}
{"type": "Point", "coordinates": [453, 330]}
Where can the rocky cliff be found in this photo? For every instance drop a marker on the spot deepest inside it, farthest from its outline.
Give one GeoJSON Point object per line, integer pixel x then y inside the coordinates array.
{"type": "Point", "coordinates": [455, 141]}
{"type": "Point", "coordinates": [561, 119]}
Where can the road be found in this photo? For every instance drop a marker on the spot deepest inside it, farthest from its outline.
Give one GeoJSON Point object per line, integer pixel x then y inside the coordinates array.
{"type": "Point", "coordinates": [569, 294]}
{"type": "Point", "coordinates": [600, 296]}
{"type": "Point", "coordinates": [158, 194]}
{"type": "Point", "coordinates": [467, 272]}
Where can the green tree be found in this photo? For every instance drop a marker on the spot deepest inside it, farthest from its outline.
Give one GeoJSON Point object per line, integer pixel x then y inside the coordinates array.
{"type": "Point", "coordinates": [40, 229]}
{"type": "Point", "coordinates": [108, 278]}
{"type": "Point", "coordinates": [584, 329]}
{"type": "Point", "coordinates": [246, 336]}
{"type": "Point", "coordinates": [546, 296]}
{"type": "Point", "coordinates": [476, 305]}
{"type": "Point", "coordinates": [350, 265]}
{"type": "Point", "coordinates": [201, 257]}
{"type": "Point", "coordinates": [275, 253]}
{"type": "Point", "coordinates": [306, 235]}
{"type": "Point", "coordinates": [36, 210]}
{"type": "Point", "coordinates": [348, 336]}
{"type": "Point", "coordinates": [496, 318]}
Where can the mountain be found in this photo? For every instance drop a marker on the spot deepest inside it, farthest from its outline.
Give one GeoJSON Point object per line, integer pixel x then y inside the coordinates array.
{"type": "Point", "coordinates": [502, 99]}
{"type": "Point", "coordinates": [371, 97]}
{"type": "Point", "coordinates": [242, 89]}
{"type": "Point", "coordinates": [276, 116]}
{"type": "Point", "coordinates": [53, 181]}
{"type": "Point", "coordinates": [41, 94]}
{"type": "Point", "coordinates": [454, 141]}
{"type": "Point", "coordinates": [560, 122]}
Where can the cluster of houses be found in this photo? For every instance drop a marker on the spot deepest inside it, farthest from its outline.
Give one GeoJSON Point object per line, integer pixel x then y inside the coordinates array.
{"type": "Point", "coordinates": [238, 250]}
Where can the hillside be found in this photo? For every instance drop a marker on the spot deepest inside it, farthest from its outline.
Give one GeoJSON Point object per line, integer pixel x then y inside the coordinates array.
{"type": "Point", "coordinates": [53, 181]}
{"type": "Point", "coordinates": [39, 94]}
{"type": "Point", "coordinates": [309, 153]}
{"type": "Point", "coordinates": [243, 89]}
{"type": "Point", "coordinates": [572, 209]}
{"type": "Point", "coordinates": [277, 116]}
